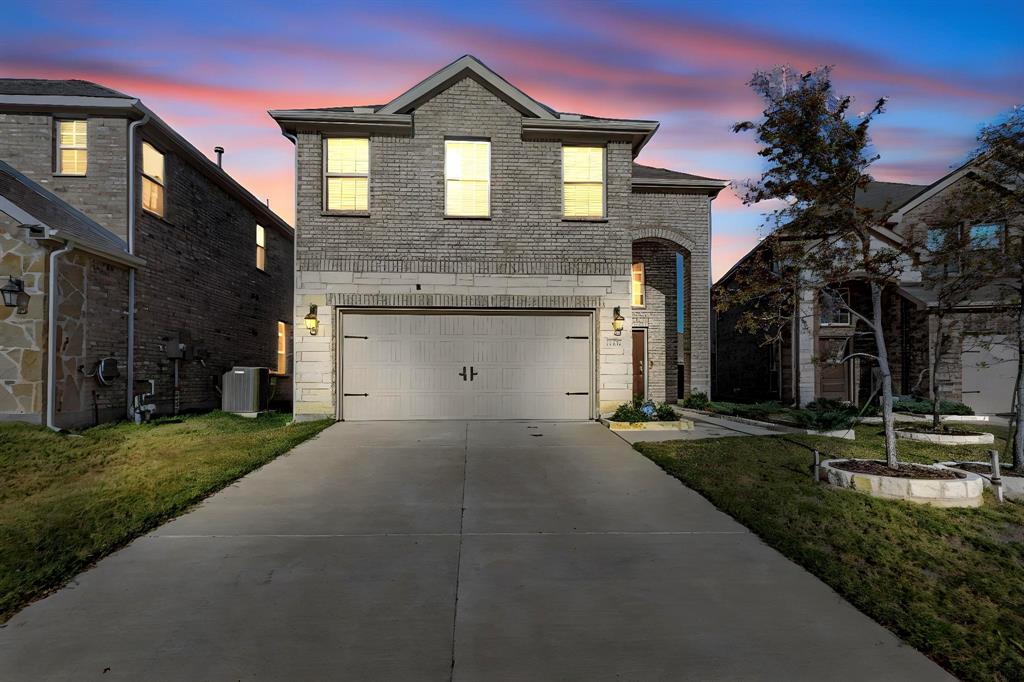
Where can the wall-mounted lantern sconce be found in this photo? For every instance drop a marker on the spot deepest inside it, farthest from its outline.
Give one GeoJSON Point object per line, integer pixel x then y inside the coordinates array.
{"type": "Point", "coordinates": [312, 324]}
{"type": "Point", "coordinates": [14, 295]}
{"type": "Point", "coordinates": [617, 321]}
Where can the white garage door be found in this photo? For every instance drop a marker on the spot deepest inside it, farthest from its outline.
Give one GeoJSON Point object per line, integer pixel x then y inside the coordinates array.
{"type": "Point", "coordinates": [465, 366]}
{"type": "Point", "coordinates": [989, 372]}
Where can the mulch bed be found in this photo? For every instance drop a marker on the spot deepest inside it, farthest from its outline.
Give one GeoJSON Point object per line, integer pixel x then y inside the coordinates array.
{"type": "Point", "coordinates": [941, 431]}
{"type": "Point", "coordinates": [986, 469]}
{"type": "Point", "coordinates": [877, 468]}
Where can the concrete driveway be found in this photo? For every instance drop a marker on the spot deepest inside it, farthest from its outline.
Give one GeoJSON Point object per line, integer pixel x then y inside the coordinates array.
{"type": "Point", "coordinates": [466, 551]}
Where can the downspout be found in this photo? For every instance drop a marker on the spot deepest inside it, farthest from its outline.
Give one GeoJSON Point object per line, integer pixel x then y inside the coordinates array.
{"type": "Point", "coordinates": [295, 249]}
{"type": "Point", "coordinates": [51, 340]}
{"type": "Point", "coordinates": [130, 359]}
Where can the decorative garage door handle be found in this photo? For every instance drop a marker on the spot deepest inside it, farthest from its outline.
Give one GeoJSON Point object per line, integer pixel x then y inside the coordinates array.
{"type": "Point", "coordinates": [463, 374]}
{"type": "Point", "coordinates": [361, 395]}
{"type": "Point", "coordinates": [350, 336]}
{"type": "Point", "coordinates": [472, 373]}
{"type": "Point", "coordinates": [577, 392]}
{"type": "Point", "coordinates": [577, 337]}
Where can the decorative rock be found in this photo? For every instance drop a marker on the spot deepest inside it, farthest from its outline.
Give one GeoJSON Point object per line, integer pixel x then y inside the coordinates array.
{"type": "Point", "coordinates": [679, 425]}
{"type": "Point", "coordinates": [960, 492]}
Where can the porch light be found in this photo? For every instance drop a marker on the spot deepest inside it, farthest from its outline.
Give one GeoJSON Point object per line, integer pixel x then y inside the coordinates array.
{"type": "Point", "coordinates": [14, 295]}
{"type": "Point", "coordinates": [617, 321]}
{"type": "Point", "coordinates": [312, 324]}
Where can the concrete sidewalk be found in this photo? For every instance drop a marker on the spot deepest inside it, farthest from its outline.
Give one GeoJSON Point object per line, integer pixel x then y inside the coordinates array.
{"type": "Point", "coordinates": [466, 551]}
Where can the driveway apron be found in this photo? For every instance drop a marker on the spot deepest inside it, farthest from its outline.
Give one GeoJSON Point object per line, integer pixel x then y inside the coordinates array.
{"type": "Point", "coordinates": [452, 550]}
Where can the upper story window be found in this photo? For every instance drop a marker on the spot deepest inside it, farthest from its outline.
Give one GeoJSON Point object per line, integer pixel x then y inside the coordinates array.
{"type": "Point", "coordinates": [347, 174]}
{"type": "Point", "coordinates": [72, 147]}
{"type": "Point", "coordinates": [282, 348]}
{"type": "Point", "coordinates": [153, 179]}
{"type": "Point", "coordinates": [467, 178]}
{"type": "Point", "coordinates": [583, 182]}
{"type": "Point", "coordinates": [986, 236]}
{"type": "Point", "coordinates": [835, 308]}
{"type": "Point", "coordinates": [636, 287]}
{"type": "Point", "coordinates": [261, 247]}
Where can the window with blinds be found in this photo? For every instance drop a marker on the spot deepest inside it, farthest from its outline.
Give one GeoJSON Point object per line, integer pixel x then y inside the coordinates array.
{"type": "Point", "coordinates": [637, 285]}
{"type": "Point", "coordinates": [347, 174]}
{"type": "Point", "coordinates": [282, 348]}
{"type": "Point", "coordinates": [467, 178]}
{"type": "Point", "coordinates": [261, 247]}
{"type": "Point", "coordinates": [153, 179]}
{"type": "Point", "coordinates": [583, 182]}
{"type": "Point", "coordinates": [72, 147]}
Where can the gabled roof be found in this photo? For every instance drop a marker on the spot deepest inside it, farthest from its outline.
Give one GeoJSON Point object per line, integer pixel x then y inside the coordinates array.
{"type": "Point", "coordinates": [467, 65]}
{"type": "Point", "coordinates": [885, 195]}
{"type": "Point", "coordinates": [33, 205]}
{"type": "Point", "coordinates": [658, 178]}
{"type": "Point", "coordinates": [46, 87]}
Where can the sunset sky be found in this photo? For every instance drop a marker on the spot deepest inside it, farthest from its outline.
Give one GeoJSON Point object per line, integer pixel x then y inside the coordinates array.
{"type": "Point", "coordinates": [212, 70]}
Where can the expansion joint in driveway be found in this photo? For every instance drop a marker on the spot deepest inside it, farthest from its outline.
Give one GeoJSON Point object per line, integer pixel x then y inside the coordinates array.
{"type": "Point", "coordinates": [458, 555]}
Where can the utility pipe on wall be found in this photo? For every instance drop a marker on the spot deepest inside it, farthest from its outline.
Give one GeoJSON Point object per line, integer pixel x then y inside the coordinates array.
{"type": "Point", "coordinates": [130, 360]}
{"type": "Point", "coordinates": [51, 339]}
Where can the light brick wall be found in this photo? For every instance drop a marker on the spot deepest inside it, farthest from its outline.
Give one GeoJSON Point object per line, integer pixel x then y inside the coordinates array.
{"type": "Point", "coordinates": [405, 253]}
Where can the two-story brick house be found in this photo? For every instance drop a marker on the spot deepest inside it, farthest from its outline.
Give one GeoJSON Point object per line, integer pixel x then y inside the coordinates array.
{"type": "Point", "coordinates": [465, 251]}
{"type": "Point", "coordinates": [128, 247]}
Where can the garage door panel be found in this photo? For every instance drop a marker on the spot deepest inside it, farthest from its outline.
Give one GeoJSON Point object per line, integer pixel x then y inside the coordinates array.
{"type": "Point", "coordinates": [410, 365]}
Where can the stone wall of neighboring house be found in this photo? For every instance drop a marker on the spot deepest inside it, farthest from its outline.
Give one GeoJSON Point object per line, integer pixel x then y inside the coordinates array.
{"type": "Point", "coordinates": [22, 337]}
{"type": "Point", "coordinates": [683, 218]}
{"type": "Point", "coordinates": [201, 286]}
{"type": "Point", "coordinates": [27, 143]}
{"type": "Point", "coordinates": [405, 253]}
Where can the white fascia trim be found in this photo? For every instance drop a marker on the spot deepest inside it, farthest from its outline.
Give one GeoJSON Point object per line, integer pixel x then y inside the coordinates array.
{"type": "Point", "coordinates": [680, 182]}
{"type": "Point", "coordinates": [465, 63]}
{"type": "Point", "coordinates": [19, 214]}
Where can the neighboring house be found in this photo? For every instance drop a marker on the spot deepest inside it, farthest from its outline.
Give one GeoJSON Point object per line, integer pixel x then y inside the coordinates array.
{"type": "Point", "coordinates": [464, 250]}
{"type": "Point", "coordinates": [146, 268]}
{"type": "Point", "coordinates": [978, 367]}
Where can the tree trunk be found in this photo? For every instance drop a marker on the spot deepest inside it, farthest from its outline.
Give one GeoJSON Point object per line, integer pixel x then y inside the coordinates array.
{"type": "Point", "coordinates": [1018, 408]}
{"type": "Point", "coordinates": [883, 369]}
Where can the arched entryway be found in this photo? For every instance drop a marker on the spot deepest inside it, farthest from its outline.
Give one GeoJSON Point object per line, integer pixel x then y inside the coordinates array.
{"type": "Point", "coordinates": [660, 306]}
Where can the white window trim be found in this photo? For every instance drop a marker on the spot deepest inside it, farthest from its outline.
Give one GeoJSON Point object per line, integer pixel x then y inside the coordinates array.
{"type": "Point", "coordinates": [490, 167]}
{"type": "Point", "coordinates": [326, 174]}
{"type": "Point", "coordinates": [604, 182]}
{"type": "Point", "coordinates": [58, 166]}
{"type": "Point", "coordinates": [142, 172]}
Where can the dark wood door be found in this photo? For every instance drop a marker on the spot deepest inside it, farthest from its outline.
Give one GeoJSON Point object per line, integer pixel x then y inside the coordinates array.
{"type": "Point", "coordinates": [639, 362]}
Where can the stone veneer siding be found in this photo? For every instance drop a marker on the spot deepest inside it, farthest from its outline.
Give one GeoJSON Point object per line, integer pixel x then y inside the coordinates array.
{"type": "Point", "coordinates": [405, 253]}
{"type": "Point", "coordinates": [22, 337]}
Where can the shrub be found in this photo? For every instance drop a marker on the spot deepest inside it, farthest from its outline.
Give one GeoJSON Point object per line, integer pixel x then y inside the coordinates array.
{"type": "Point", "coordinates": [640, 410]}
{"type": "Point", "coordinates": [922, 406]}
{"type": "Point", "coordinates": [697, 401]}
{"type": "Point", "coordinates": [824, 420]}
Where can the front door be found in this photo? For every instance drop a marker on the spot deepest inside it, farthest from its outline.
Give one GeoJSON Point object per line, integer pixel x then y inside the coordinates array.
{"type": "Point", "coordinates": [640, 362]}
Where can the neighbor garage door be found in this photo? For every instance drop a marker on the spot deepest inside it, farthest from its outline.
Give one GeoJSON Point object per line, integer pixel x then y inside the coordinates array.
{"type": "Point", "coordinates": [465, 366]}
{"type": "Point", "coordinates": [989, 372]}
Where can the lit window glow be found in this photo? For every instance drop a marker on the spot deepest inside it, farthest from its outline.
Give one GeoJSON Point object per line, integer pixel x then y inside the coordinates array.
{"type": "Point", "coordinates": [282, 348]}
{"type": "Point", "coordinates": [583, 182]}
{"type": "Point", "coordinates": [72, 147]}
{"type": "Point", "coordinates": [467, 178]}
{"type": "Point", "coordinates": [261, 247]}
{"type": "Point", "coordinates": [348, 174]}
{"type": "Point", "coordinates": [152, 179]}
{"type": "Point", "coordinates": [637, 285]}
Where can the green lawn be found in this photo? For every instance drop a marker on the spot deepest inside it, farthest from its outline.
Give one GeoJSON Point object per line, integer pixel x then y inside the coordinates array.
{"type": "Point", "coordinates": [948, 581]}
{"type": "Point", "coordinates": [67, 500]}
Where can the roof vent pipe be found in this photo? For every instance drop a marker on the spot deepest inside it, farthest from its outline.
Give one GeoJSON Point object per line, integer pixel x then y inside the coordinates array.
{"type": "Point", "coordinates": [219, 151]}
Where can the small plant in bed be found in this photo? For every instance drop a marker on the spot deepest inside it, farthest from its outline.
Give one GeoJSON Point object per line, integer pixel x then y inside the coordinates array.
{"type": "Point", "coordinates": [696, 401]}
{"type": "Point", "coordinates": [640, 410]}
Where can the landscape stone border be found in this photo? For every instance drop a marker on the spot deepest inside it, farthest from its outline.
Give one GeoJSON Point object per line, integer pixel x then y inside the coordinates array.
{"type": "Point", "coordinates": [1013, 486]}
{"type": "Point", "coordinates": [961, 492]}
{"type": "Point", "coordinates": [948, 438]}
{"type": "Point", "coordinates": [678, 425]}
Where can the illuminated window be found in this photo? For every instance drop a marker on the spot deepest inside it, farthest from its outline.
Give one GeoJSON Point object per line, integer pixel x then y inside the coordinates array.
{"type": "Point", "coordinates": [467, 178]}
{"type": "Point", "coordinates": [347, 174]}
{"type": "Point", "coordinates": [261, 247]}
{"type": "Point", "coordinates": [637, 285]}
{"type": "Point", "coordinates": [72, 147]}
{"type": "Point", "coordinates": [152, 179]}
{"type": "Point", "coordinates": [583, 182]}
{"type": "Point", "coordinates": [282, 348]}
